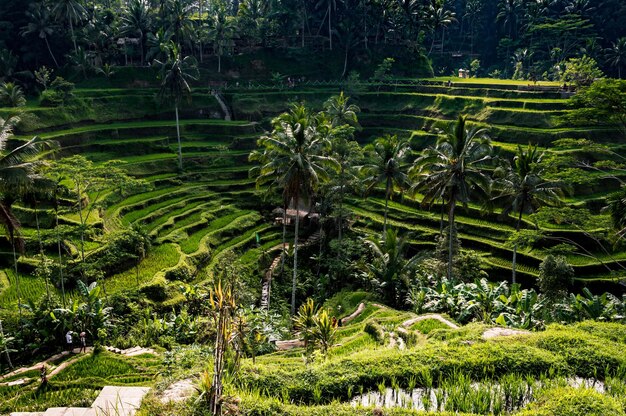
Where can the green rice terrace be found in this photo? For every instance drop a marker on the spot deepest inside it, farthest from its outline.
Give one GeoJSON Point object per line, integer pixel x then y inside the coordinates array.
{"type": "Point", "coordinates": [329, 208]}
{"type": "Point", "coordinates": [155, 239]}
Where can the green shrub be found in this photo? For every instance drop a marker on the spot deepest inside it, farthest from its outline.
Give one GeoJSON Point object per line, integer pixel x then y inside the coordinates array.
{"type": "Point", "coordinates": [59, 92]}
{"type": "Point", "coordinates": [376, 331]}
{"type": "Point", "coordinates": [156, 290]}
{"type": "Point", "coordinates": [568, 401]}
{"type": "Point", "coordinates": [555, 276]}
{"type": "Point", "coordinates": [183, 272]}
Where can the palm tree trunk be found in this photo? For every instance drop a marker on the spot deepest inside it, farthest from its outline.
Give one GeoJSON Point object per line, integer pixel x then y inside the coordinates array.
{"type": "Point", "coordinates": [56, 217]}
{"type": "Point", "coordinates": [50, 51]}
{"type": "Point", "coordinates": [441, 219]}
{"type": "Point", "coordinates": [387, 190]}
{"type": "Point", "coordinates": [17, 279]}
{"type": "Point", "coordinates": [365, 25]}
{"type": "Point", "coordinates": [295, 259]}
{"type": "Point", "coordinates": [282, 255]}
{"type": "Point", "coordinates": [345, 62]}
{"type": "Point", "coordinates": [180, 148]}
{"type": "Point", "coordinates": [517, 227]}
{"type": "Point", "coordinates": [330, 32]}
{"type": "Point", "coordinates": [443, 37]}
{"type": "Point", "coordinates": [141, 49]}
{"type": "Point", "coordinates": [341, 191]}
{"type": "Point", "coordinates": [450, 232]}
{"type": "Point", "coordinates": [73, 37]}
{"type": "Point", "coordinates": [82, 226]}
{"type": "Point", "coordinates": [41, 247]}
{"type": "Point", "coordinates": [303, 17]}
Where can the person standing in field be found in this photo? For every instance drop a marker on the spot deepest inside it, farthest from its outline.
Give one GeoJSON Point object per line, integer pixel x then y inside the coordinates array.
{"type": "Point", "coordinates": [83, 342]}
{"type": "Point", "coordinates": [43, 373]}
{"type": "Point", "coordinates": [68, 341]}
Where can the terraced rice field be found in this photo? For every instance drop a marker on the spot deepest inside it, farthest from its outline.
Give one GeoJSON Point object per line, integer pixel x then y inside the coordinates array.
{"type": "Point", "coordinates": [197, 216]}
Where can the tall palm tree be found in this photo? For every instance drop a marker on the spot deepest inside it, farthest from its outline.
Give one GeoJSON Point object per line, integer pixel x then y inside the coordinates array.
{"type": "Point", "coordinates": [453, 171]}
{"type": "Point", "coordinates": [294, 159]}
{"type": "Point", "coordinates": [617, 55]}
{"type": "Point", "coordinates": [221, 30]}
{"type": "Point", "coordinates": [136, 22]}
{"type": "Point", "coordinates": [386, 164]}
{"type": "Point", "coordinates": [439, 18]}
{"type": "Point", "coordinates": [508, 15]}
{"type": "Point", "coordinates": [330, 5]}
{"type": "Point", "coordinates": [73, 12]}
{"type": "Point", "coordinates": [180, 23]}
{"type": "Point", "coordinates": [158, 44]}
{"type": "Point", "coordinates": [176, 74]}
{"type": "Point", "coordinates": [40, 24]}
{"type": "Point", "coordinates": [522, 188]}
{"type": "Point", "coordinates": [343, 121]}
{"type": "Point", "coordinates": [18, 170]}
{"type": "Point", "coordinates": [340, 111]}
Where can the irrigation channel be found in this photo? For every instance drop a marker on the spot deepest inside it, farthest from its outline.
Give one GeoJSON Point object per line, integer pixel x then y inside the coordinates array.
{"type": "Point", "coordinates": [511, 393]}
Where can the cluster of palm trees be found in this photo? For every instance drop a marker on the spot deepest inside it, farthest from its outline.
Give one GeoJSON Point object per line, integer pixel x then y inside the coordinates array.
{"type": "Point", "coordinates": [140, 27]}
{"type": "Point", "coordinates": [460, 169]}
{"type": "Point", "coordinates": [299, 156]}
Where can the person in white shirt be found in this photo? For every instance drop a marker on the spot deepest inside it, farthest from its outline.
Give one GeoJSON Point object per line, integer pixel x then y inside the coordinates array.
{"type": "Point", "coordinates": [68, 340]}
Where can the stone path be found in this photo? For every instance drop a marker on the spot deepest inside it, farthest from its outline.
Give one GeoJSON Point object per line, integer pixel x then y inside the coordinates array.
{"type": "Point", "coordinates": [434, 316]}
{"type": "Point", "coordinates": [131, 352]}
{"type": "Point", "coordinates": [266, 283]}
{"type": "Point", "coordinates": [222, 103]}
{"type": "Point", "coordinates": [178, 391]}
{"type": "Point", "coordinates": [503, 332]}
{"type": "Point", "coordinates": [112, 401]}
{"type": "Point", "coordinates": [359, 310]}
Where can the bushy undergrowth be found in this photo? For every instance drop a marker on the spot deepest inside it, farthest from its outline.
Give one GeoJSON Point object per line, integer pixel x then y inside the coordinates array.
{"type": "Point", "coordinates": [558, 350]}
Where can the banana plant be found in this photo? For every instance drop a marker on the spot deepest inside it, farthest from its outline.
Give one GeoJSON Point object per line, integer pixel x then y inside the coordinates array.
{"type": "Point", "coordinates": [597, 307]}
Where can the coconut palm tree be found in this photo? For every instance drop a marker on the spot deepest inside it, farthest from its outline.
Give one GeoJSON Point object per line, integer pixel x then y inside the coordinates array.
{"type": "Point", "coordinates": [176, 74]}
{"type": "Point", "coordinates": [71, 11]}
{"type": "Point", "coordinates": [340, 111]}
{"type": "Point", "coordinates": [221, 30]}
{"type": "Point", "coordinates": [439, 18]}
{"type": "Point", "coordinates": [390, 269]}
{"type": "Point", "coordinates": [294, 159]}
{"type": "Point", "coordinates": [616, 55]}
{"type": "Point", "coordinates": [18, 170]}
{"type": "Point", "coordinates": [329, 5]}
{"type": "Point", "coordinates": [347, 152]}
{"type": "Point", "coordinates": [11, 95]}
{"type": "Point", "coordinates": [136, 22]}
{"type": "Point", "coordinates": [522, 188]}
{"type": "Point", "coordinates": [40, 24]}
{"type": "Point", "coordinates": [180, 23]}
{"type": "Point", "coordinates": [158, 45]}
{"type": "Point", "coordinates": [453, 171]}
{"type": "Point", "coordinates": [508, 15]}
{"type": "Point", "coordinates": [386, 164]}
